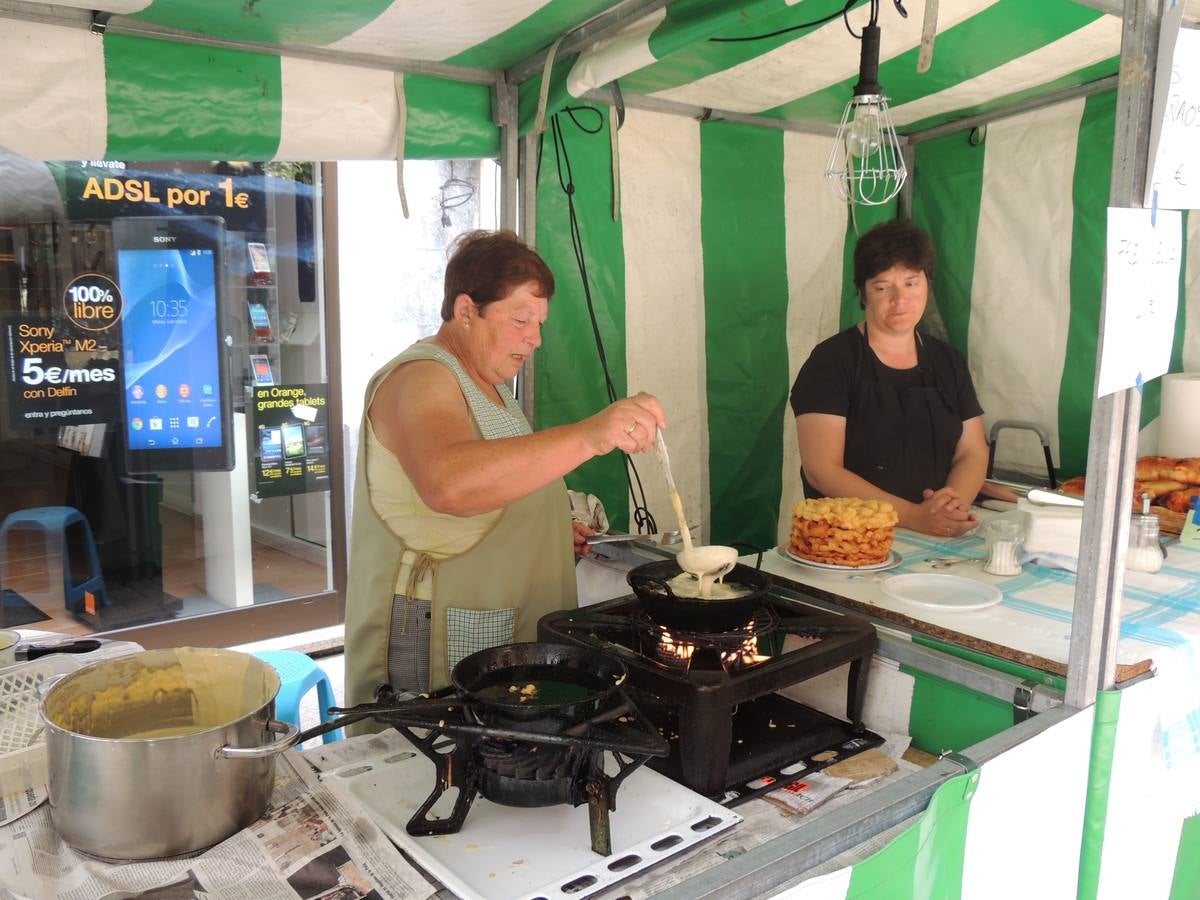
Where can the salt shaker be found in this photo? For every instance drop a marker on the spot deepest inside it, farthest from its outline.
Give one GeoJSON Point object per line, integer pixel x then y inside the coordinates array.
{"type": "Point", "coordinates": [1145, 553]}
{"type": "Point", "coordinates": [1004, 539]}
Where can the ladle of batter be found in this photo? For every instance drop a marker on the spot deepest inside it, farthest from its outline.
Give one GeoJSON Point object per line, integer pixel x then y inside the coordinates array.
{"type": "Point", "coordinates": [708, 562]}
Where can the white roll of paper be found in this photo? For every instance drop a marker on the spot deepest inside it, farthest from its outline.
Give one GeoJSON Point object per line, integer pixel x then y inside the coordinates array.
{"type": "Point", "coordinates": [1179, 415]}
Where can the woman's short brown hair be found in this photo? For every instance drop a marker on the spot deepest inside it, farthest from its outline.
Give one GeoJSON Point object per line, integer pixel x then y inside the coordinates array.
{"type": "Point", "coordinates": [488, 265]}
{"type": "Point", "coordinates": [895, 243]}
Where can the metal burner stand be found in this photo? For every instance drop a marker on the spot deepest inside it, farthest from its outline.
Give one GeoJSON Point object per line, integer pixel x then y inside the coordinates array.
{"type": "Point", "coordinates": [514, 766]}
{"type": "Point", "coordinates": [701, 701]}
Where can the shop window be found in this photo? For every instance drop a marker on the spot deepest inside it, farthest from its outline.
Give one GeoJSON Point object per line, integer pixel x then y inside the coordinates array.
{"type": "Point", "coordinates": [164, 419]}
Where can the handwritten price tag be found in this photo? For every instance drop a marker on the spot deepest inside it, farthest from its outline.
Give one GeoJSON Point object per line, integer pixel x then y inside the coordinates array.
{"type": "Point", "coordinates": [1176, 175]}
{"type": "Point", "coordinates": [1141, 297]}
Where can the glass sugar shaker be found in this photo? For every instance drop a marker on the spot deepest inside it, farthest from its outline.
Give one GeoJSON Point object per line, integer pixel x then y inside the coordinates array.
{"type": "Point", "coordinates": [1145, 552]}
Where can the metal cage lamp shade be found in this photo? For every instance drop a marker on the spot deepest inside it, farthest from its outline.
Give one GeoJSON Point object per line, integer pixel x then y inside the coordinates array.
{"type": "Point", "coordinates": [865, 165]}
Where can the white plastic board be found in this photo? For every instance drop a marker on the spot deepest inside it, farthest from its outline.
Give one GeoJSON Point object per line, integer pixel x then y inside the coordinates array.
{"type": "Point", "coordinates": [506, 853]}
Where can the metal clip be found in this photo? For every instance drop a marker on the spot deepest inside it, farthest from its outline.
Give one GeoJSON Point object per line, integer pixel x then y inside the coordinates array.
{"type": "Point", "coordinates": [100, 22]}
{"type": "Point", "coordinates": [1022, 703]}
{"type": "Point", "coordinates": [958, 759]}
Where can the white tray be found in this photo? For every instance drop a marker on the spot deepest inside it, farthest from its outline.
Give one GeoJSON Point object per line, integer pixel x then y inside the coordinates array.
{"type": "Point", "coordinates": [506, 853]}
{"type": "Point", "coordinates": [949, 593]}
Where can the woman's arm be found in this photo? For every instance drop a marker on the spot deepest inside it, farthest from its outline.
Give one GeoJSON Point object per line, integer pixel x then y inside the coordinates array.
{"type": "Point", "coordinates": [822, 442]}
{"type": "Point", "coordinates": [420, 414]}
{"type": "Point", "coordinates": [968, 469]}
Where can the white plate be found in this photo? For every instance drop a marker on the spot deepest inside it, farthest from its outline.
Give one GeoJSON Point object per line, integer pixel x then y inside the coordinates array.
{"type": "Point", "coordinates": [894, 559]}
{"type": "Point", "coordinates": [950, 593]}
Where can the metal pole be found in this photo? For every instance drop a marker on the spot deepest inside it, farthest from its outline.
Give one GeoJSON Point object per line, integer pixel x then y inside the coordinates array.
{"type": "Point", "coordinates": [504, 111]}
{"type": "Point", "coordinates": [1112, 441]}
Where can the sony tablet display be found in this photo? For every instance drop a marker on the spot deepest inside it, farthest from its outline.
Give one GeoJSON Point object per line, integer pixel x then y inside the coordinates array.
{"type": "Point", "coordinates": [177, 410]}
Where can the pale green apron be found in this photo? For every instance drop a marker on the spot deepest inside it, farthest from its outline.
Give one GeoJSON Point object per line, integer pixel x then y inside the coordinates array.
{"type": "Point", "coordinates": [525, 562]}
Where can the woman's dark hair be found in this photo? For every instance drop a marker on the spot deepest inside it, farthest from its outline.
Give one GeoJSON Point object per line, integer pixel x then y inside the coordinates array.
{"type": "Point", "coordinates": [488, 265]}
{"type": "Point", "coordinates": [895, 243]}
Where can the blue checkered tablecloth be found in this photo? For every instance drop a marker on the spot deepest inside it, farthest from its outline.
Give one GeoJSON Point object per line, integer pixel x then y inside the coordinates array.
{"type": "Point", "coordinates": [1160, 616]}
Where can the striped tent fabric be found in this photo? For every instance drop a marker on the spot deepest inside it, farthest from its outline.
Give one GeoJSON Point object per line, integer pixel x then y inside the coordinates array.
{"type": "Point", "coordinates": [138, 91]}
{"type": "Point", "coordinates": [730, 257]}
{"type": "Point", "coordinates": [731, 260]}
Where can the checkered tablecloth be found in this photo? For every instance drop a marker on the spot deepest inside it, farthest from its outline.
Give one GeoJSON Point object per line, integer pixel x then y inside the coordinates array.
{"type": "Point", "coordinates": [1160, 616]}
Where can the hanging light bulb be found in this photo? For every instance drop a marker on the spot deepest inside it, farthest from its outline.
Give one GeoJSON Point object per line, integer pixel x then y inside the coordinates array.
{"type": "Point", "coordinates": [865, 165]}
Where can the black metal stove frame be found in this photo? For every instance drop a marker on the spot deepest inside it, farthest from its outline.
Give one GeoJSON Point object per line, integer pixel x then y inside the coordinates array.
{"type": "Point", "coordinates": [702, 703]}
{"type": "Point", "coordinates": [500, 761]}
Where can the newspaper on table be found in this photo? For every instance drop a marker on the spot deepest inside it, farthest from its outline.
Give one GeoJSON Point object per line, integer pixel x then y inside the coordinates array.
{"type": "Point", "coordinates": [22, 782]}
{"type": "Point", "coordinates": [762, 821]}
{"type": "Point", "coordinates": [311, 842]}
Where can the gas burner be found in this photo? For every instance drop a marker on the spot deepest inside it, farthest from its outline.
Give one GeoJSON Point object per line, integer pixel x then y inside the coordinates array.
{"type": "Point", "coordinates": [731, 651]}
{"type": "Point", "coordinates": [540, 762]}
{"type": "Point", "coordinates": [712, 693]}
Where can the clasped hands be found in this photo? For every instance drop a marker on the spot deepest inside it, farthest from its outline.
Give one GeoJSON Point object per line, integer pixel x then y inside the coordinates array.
{"type": "Point", "coordinates": [944, 513]}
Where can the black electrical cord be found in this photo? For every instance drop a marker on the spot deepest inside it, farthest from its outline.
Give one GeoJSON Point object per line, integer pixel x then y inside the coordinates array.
{"type": "Point", "coordinates": [849, 4]}
{"type": "Point", "coordinates": [641, 513]}
{"type": "Point", "coordinates": [844, 12]}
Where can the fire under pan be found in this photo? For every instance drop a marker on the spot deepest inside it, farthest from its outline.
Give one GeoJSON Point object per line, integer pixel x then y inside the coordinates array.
{"type": "Point", "coordinates": [725, 723]}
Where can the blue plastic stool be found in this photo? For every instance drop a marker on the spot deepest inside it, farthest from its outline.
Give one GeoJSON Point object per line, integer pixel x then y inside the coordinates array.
{"type": "Point", "coordinates": [81, 573]}
{"type": "Point", "coordinates": [297, 675]}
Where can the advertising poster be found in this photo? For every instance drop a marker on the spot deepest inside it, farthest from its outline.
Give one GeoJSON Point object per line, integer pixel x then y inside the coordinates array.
{"type": "Point", "coordinates": [63, 369]}
{"type": "Point", "coordinates": [102, 190]}
{"type": "Point", "coordinates": [291, 439]}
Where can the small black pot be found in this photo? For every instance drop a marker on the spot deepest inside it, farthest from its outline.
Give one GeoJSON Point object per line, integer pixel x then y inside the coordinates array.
{"type": "Point", "coordinates": [649, 583]}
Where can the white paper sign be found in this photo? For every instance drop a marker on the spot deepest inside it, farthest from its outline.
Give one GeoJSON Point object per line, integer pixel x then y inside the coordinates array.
{"type": "Point", "coordinates": [1176, 175]}
{"type": "Point", "coordinates": [1141, 296]}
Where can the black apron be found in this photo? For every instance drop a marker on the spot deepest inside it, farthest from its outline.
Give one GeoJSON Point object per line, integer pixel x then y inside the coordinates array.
{"type": "Point", "coordinates": [902, 427]}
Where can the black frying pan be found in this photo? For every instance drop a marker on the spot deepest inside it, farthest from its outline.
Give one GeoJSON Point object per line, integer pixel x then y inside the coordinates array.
{"type": "Point", "coordinates": [649, 583]}
{"type": "Point", "coordinates": [572, 683]}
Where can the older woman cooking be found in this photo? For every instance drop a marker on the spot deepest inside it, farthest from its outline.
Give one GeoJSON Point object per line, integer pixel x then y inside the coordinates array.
{"type": "Point", "coordinates": [461, 534]}
{"type": "Point", "coordinates": [884, 412]}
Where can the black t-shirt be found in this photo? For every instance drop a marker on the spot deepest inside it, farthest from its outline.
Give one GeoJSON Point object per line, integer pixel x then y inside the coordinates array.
{"type": "Point", "coordinates": [842, 377]}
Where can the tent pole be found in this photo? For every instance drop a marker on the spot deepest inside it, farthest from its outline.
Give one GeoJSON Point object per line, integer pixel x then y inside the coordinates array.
{"type": "Point", "coordinates": [1112, 440]}
{"type": "Point", "coordinates": [1023, 106]}
{"type": "Point", "coordinates": [596, 29]}
{"type": "Point", "coordinates": [504, 112]}
{"type": "Point", "coordinates": [707, 114]}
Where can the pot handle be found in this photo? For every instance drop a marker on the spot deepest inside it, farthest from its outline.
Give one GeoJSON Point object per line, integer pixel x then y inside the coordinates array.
{"type": "Point", "coordinates": [289, 731]}
{"type": "Point", "coordinates": [644, 581]}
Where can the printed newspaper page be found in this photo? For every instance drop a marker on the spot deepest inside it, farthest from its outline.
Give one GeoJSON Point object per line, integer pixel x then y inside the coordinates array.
{"type": "Point", "coordinates": [307, 845]}
{"type": "Point", "coordinates": [22, 782]}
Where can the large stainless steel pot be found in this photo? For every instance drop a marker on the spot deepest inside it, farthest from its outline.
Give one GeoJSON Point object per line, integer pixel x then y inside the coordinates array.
{"type": "Point", "coordinates": [162, 752]}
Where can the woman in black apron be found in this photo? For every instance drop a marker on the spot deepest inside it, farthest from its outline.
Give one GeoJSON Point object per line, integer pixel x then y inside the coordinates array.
{"type": "Point", "coordinates": [885, 413]}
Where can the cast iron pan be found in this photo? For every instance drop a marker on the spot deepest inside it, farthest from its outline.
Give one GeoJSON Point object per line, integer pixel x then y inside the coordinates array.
{"type": "Point", "coordinates": [649, 582]}
{"type": "Point", "coordinates": [572, 682]}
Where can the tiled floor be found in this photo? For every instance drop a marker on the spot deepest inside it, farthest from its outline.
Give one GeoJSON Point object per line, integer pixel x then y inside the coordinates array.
{"type": "Point", "coordinates": [276, 573]}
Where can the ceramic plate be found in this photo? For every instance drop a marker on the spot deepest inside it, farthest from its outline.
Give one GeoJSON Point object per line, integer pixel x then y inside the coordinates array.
{"type": "Point", "coordinates": [894, 559]}
{"type": "Point", "coordinates": [950, 593]}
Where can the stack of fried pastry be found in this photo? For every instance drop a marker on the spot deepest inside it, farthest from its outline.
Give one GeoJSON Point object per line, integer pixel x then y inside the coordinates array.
{"type": "Point", "coordinates": [1171, 483]}
{"type": "Point", "coordinates": [843, 531]}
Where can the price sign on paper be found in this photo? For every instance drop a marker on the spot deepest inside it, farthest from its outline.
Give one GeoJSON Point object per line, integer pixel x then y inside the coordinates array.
{"type": "Point", "coordinates": [1140, 298]}
{"type": "Point", "coordinates": [1176, 175]}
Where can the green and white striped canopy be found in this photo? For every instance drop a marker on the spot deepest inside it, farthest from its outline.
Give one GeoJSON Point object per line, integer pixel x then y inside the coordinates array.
{"type": "Point", "coordinates": [313, 79]}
